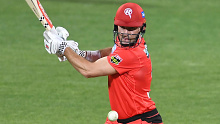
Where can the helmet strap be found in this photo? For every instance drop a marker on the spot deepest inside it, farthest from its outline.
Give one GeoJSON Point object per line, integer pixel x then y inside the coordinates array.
{"type": "Point", "coordinates": [143, 28]}
{"type": "Point", "coordinates": [115, 28]}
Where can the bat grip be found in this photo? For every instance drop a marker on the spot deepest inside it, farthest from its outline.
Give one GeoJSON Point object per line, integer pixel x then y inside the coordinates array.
{"type": "Point", "coordinates": [53, 30]}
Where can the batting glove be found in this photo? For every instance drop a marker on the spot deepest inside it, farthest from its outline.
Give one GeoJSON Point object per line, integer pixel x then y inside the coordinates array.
{"type": "Point", "coordinates": [62, 32]}
{"type": "Point", "coordinates": [51, 42]}
{"type": "Point", "coordinates": [63, 45]}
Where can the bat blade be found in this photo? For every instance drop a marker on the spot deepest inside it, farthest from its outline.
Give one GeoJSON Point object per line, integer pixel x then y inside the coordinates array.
{"type": "Point", "coordinates": [39, 11]}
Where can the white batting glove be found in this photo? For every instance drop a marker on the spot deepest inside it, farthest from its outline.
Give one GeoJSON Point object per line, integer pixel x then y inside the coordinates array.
{"type": "Point", "coordinates": [51, 42]}
{"type": "Point", "coordinates": [70, 43]}
{"type": "Point", "coordinates": [62, 32]}
{"type": "Point", "coordinates": [55, 43]}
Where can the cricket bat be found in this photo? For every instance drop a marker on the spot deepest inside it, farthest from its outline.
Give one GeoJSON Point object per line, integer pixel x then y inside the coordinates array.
{"type": "Point", "coordinates": [39, 11]}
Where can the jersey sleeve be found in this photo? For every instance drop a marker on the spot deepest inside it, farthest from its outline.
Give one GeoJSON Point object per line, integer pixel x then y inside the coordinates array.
{"type": "Point", "coordinates": [123, 61]}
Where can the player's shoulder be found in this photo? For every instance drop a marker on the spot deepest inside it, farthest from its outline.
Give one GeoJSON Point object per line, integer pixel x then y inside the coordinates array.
{"type": "Point", "coordinates": [126, 55]}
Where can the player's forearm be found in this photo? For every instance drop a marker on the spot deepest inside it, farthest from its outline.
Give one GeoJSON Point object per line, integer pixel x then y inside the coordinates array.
{"type": "Point", "coordinates": [86, 68]}
{"type": "Point", "coordinates": [78, 62]}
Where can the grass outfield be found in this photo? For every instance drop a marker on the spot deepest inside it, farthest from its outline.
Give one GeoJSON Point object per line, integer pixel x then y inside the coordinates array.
{"type": "Point", "coordinates": [182, 37]}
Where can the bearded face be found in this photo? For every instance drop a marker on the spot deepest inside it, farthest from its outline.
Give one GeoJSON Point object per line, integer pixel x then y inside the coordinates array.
{"type": "Point", "coordinates": [127, 36]}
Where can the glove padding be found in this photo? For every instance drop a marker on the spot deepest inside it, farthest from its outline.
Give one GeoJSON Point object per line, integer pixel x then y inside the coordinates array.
{"type": "Point", "coordinates": [62, 32]}
{"type": "Point", "coordinates": [52, 37]}
{"type": "Point", "coordinates": [79, 52]}
{"type": "Point", "coordinates": [63, 45]}
{"type": "Point", "coordinates": [55, 43]}
{"type": "Point", "coordinates": [51, 42]}
{"type": "Point", "coordinates": [72, 44]}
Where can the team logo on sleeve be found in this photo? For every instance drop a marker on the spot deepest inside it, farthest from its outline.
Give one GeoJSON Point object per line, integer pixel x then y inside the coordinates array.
{"type": "Point", "coordinates": [116, 59]}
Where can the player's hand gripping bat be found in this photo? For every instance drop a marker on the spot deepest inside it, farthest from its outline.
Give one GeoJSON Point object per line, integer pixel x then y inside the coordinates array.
{"type": "Point", "coordinates": [51, 34]}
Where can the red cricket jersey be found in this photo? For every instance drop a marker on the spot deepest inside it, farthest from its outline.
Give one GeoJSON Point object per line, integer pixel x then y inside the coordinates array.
{"type": "Point", "coordinates": [129, 89]}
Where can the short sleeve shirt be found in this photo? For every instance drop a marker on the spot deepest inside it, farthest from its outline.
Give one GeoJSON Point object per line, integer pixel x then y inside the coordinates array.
{"type": "Point", "coordinates": [129, 88]}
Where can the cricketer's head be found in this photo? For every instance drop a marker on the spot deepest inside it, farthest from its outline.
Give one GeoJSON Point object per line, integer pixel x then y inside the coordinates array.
{"type": "Point", "coordinates": [129, 25]}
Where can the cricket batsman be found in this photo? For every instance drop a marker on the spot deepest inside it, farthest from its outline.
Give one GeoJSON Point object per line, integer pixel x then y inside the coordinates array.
{"type": "Point", "coordinates": [127, 65]}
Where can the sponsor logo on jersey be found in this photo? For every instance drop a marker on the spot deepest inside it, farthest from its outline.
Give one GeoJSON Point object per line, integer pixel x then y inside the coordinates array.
{"type": "Point", "coordinates": [116, 59]}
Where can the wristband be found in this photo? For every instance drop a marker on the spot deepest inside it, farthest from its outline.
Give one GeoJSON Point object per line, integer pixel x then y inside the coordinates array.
{"type": "Point", "coordinates": [93, 55]}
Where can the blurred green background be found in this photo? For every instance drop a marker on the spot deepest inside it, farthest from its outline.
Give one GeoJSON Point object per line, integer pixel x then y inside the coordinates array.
{"type": "Point", "coordinates": [183, 40]}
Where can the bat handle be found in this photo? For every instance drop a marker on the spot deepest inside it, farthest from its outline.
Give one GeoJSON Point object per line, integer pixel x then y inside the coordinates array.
{"type": "Point", "coordinates": [53, 30]}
